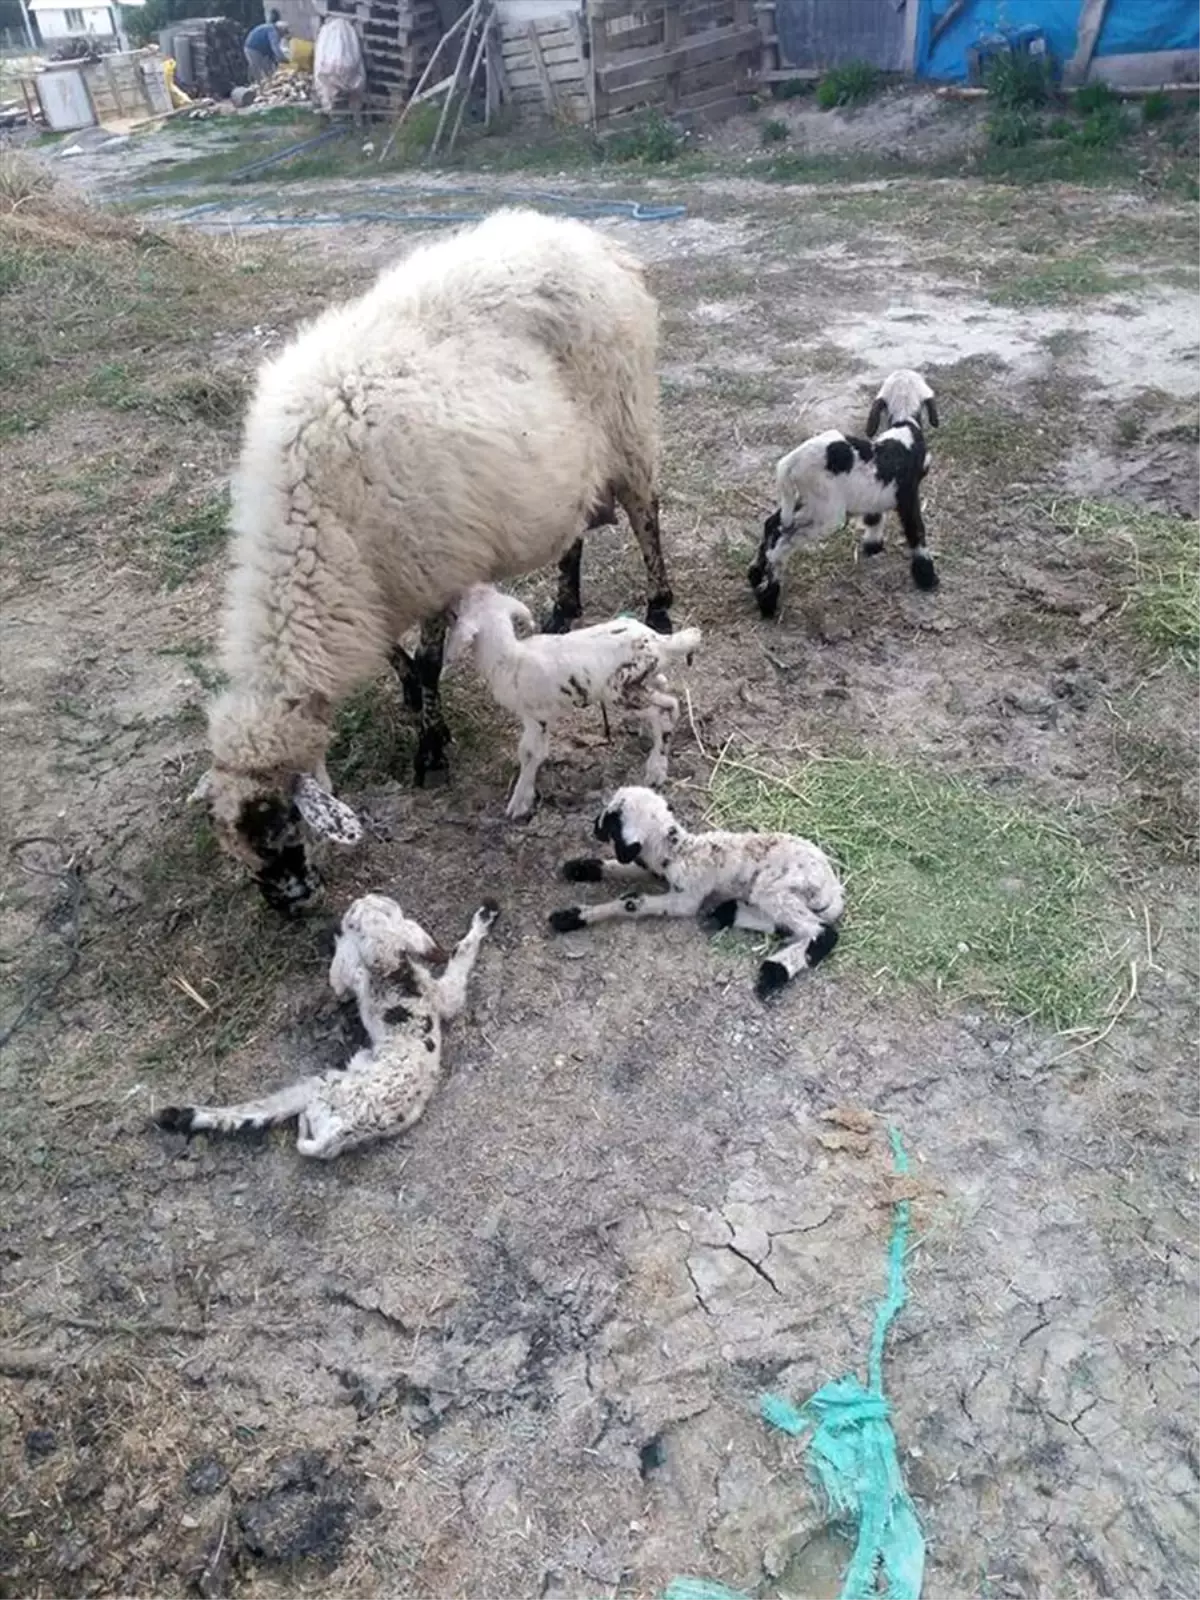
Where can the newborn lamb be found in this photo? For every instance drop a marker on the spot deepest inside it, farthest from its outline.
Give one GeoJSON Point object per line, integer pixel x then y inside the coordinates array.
{"type": "Point", "coordinates": [769, 882]}
{"type": "Point", "coordinates": [542, 678]}
{"type": "Point", "coordinates": [383, 958]}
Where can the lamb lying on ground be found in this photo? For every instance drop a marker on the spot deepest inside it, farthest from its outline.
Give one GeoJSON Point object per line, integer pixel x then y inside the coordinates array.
{"type": "Point", "coordinates": [769, 882]}
{"type": "Point", "coordinates": [541, 679]}
{"type": "Point", "coordinates": [383, 959]}
{"type": "Point", "coordinates": [835, 475]}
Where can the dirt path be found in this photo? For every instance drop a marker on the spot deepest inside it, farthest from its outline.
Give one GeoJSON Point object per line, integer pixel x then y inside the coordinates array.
{"type": "Point", "coordinates": [517, 1352]}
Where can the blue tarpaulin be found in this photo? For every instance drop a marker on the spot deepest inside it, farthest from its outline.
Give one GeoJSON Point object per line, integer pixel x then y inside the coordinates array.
{"type": "Point", "coordinates": [1130, 27]}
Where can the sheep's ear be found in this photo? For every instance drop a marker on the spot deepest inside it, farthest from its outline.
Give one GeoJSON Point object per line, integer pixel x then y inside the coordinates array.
{"type": "Point", "coordinates": [327, 816]}
{"type": "Point", "coordinates": [875, 418]}
{"type": "Point", "coordinates": [203, 789]}
{"type": "Point", "coordinates": [931, 411]}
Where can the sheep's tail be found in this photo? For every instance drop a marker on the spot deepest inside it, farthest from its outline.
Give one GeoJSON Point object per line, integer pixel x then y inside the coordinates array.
{"type": "Point", "coordinates": [684, 643]}
{"type": "Point", "coordinates": [264, 1113]}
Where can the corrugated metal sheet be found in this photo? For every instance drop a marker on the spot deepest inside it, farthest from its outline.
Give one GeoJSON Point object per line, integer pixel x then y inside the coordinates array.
{"type": "Point", "coordinates": [826, 33]}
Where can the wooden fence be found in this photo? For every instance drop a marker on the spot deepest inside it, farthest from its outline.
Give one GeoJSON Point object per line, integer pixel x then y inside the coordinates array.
{"type": "Point", "coordinates": [546, 67]}
{"type": "Point", "coordinates": [682, 57]}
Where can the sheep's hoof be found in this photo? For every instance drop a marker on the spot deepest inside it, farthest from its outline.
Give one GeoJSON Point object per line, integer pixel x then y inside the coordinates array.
{"type": "Point", "coordinates": [583, 869]}
{"type": "Point", "coordinates": [821, 946]}
{"type": "Point", "coordinates": [924, 573]}
{"type": "Point", "coordinates": [768, 599]}
{"type": "Point", "coordinates": [659, 618]}
{"type": "Point", "coordinates": [772, 976]}
{"type": "Point", "coordinates": [568, 920]}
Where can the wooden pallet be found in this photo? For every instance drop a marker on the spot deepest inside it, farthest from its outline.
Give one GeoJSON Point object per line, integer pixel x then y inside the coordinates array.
{"type": "Point", "coordinates": [547, 67]}
{"type": "Point", "coordinates": [685, 58]}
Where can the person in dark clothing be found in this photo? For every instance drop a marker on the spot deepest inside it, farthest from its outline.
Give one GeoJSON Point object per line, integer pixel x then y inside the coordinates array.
{"type": "Point", "coordinates": [264, 47]}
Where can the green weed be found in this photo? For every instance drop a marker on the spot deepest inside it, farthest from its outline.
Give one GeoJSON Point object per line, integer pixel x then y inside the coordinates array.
{"type": "Point", "coordinates": [188, 537]}
{"type": "Point", "coordinates": [1056, 283]}
{"type": "Point", "coordinates": [655, 139]}
{"type": "Point", "coordinates": [852, 84]}
{"type": "Point", "coordinates": [1019, 82]}
{"type": "Point", "coordinates": [948, 885]}
{"type": "Point", "coordinates": [773, 131]}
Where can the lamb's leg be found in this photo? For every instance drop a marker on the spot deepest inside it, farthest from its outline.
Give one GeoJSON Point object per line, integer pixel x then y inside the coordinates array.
{"type": "Point", "coordinates": [423, 692]}
{"type": "Point", "coordinates": [642, 511]}
{"type": "Point", "coordinates": [533, 750]}
{"type": "Point", "coordinates": [767, 572]}
{"type": "Point", "coordinates": [263, 1113]}
{"type": "Point", "coordinates": [592, 869]}
{"type": "Point", "coordinates": [737, 914]}
{"type": "Point", "coordinates": [809, 941]}
{"type": "Point", "coordinates": [660, 717]}
{"type": "Point", "coordinates": [672, 904]}
{"type": "Point", "coordinates": [872, 541]}
{"type": "Point", "coordinates": [450, 990]}
{"type": "Point", "coordinates": [908, 509]}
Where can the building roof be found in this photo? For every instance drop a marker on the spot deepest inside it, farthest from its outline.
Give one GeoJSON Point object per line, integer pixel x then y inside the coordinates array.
{"type": "Point", "coordinates": [86, 5]}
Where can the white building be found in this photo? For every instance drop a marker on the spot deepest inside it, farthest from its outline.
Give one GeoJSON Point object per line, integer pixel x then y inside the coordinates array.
{"type": "Point", "coordinates": [101, 22]}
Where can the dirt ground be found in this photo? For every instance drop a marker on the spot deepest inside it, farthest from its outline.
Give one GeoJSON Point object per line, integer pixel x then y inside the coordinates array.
{"type": "Point", "coordinates": [518, 1351]}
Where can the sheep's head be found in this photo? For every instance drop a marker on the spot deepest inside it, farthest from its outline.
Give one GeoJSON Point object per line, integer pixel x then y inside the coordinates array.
{"type": "Point", "coordinates": [262, 824]}
{"type": "Point", "coordinates": [639, 825]}
{"type": "Point", "coordinates": [903, 397]}
{"type": "Point", "coordinates": [376, 941]}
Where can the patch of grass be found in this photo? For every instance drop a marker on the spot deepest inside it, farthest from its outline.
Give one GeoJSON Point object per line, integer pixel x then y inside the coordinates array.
{"type": "Point", "coordinates": [793, 88]}
{"type": "Point", "coordinates": [1102, 129]}
{"type": "Point", "coordinates": [1057, 161]}
{"type": "Point", "coordinates": [991, 440]}
{"type": "Point", "coordinates": [372, 739]}
{"type": "Point", "coordinates": [851, 84]}
{"type": "Point", "coordinates": [1164, 564]}
{"type": "Point", "coordinates": [187, 537]}
{"type": "Point", "coordinates": [774, 131]}
{"type": "Point", "coordinates": [655, 139]}
{"type": "Point", "coordinates": [1011, 127]}
{"type": "Point", "coordinates": [948, 885]}
{"type": "Point", "coordinates": [1019, 82]}
{"type": "Point", "coordinates": [1156, 107]}
{"type": "Point", "coordinates": [1096, 97]}
{"type": "Point", "coordinates": [1057, 283]}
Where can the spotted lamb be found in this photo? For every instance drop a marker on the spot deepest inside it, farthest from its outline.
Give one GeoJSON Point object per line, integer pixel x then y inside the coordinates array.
{"type": "Point", "coordinates": [383, 959]}
{"type": "Point", "coordinates": [543, 678]}
{"type": "Point", "coordinates": [768, 882]}
{"type": "Point", "coordinates": [835, 475]}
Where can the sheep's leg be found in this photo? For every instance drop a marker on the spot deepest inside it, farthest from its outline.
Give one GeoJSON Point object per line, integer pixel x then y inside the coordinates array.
{"type": "Point", "coordinates": [592, 869]}
{"type": "Point", "coordinates": [450, 990]}
{"type": "Point", "coordinates": [674, 903]}
{"type": "Point", "coordinates": [908, 509]}
{"type": "Point", "coordinates": [423, 692]}
{"type": "Point", "coordinates": [809, 941]}
{"type": "Point", "coordinates": [872, 541]}
{"type": "Point", "coordinates": [533, 750]}
{"type": "Point", "coordinates": [568, 605]}
{"type": "Point", "coordinates": [642, 511]}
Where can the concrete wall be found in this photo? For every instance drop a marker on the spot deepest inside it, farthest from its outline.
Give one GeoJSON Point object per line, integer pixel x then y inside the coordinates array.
{"type": "Point", "coordinates": [64, 24]}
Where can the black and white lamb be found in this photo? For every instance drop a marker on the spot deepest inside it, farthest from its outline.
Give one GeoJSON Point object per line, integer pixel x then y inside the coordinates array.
{"type": "Point", "coordinates": [768, 882]}
{"type": "Point", "coordinates": [543, 678]}
{"type": "Point", "coordinates": [383, 959]}
{"type": "Point", "coordinates": [835, 475]}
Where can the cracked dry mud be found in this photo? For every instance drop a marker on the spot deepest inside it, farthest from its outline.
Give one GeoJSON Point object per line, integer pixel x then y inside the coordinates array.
{"type": "Point", "coordinates": [517, 1352]}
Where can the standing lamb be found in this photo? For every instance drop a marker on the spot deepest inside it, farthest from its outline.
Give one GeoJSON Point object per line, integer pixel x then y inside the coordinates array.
{"type": "Point", "coordinates": [382, 958]}
{"type": "Point", "coordinates": [457, 424]}
{"type": "Point", "coordinates": [835, 475]}
{"type": "Point", "coordinates": [768, 882]}
{"type": "Point", "coordinates": [541, 679]}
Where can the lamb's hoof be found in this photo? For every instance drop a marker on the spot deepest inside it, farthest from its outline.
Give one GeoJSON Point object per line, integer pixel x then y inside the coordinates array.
{"type": "Point", "coordinates": [488, 912]}
{"type": "Point", "coordinates": [871, 547]}
{"type": "Point", "coordinates": [924, 573]}
{"type": "Point", "coordinates": [583, 869]}
{"type": "Point", "coordinates": [772, 976]}
{"type": "Point", "coordinates": [659, 618]}
{"type": "Point", "coordinates": [821, 946]}
{"type": "Point", "coordinates": [568, 920]}
{"type": "Point", "coordinates": [431, 777]}
{"type": "Point", "coordinates": [768, 600]}
{"type": "Point", "coordinates": [175, 1119]}
{"type": "Point", "coordinates": [724, 914]}
{"type": "Point", "coordinates": [559, 621]}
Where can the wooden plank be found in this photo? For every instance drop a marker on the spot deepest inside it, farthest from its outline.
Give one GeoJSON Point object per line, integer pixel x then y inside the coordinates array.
{"type": "Point", "coordinates": [714, 47]}
{"type": "Point", "coordinates": [528, 77]}
{"type": "Point", "coordinates": [947, 19]}
{"type": "Point", "coordinates": [589, 88]}
{"type": "Point", "coordinates": [641, 38]}
{"type": "Point", "coordinates": [1091, 20]}
{"type": "Point", "coordinates": [539, 63]}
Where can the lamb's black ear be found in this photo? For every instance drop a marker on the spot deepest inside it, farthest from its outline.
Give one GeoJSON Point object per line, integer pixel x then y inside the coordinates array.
{"type": "Point", "coordinates": [608, 826]}
{"type": "Point", "coordinates": [931, 411]}
{"type": "Point", "coordinates": [875, 418]}
{"type": "Point", "coordinates": [625, 851]}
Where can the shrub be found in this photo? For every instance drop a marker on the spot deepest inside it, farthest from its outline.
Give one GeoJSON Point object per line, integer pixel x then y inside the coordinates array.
{"type": "Point", "coordinates": [655, 139]}
{"type": "Point", "coordinates": [1096, 97]}
{"type": "Point", "coordinates": [850, 85]}
{"type": "Point", "coordinates": [1156, 107]}
{"type": "Point", "coordinates": [1019, 82]}
{"type": "Point", "coordinates": [774, 131]}
{"type": "Point", "coordinates": [792, 88]}
{"type": "Point", "coordinates": [1102, 129]}
{"type": "Point", "coordinates": [1011, 129]}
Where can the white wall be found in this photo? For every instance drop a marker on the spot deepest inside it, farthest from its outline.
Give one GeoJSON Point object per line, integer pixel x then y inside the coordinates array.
{"type": "Point", "coordinates": [526, 10]}
{"type": "Point", "coordinates": [96, 20]}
